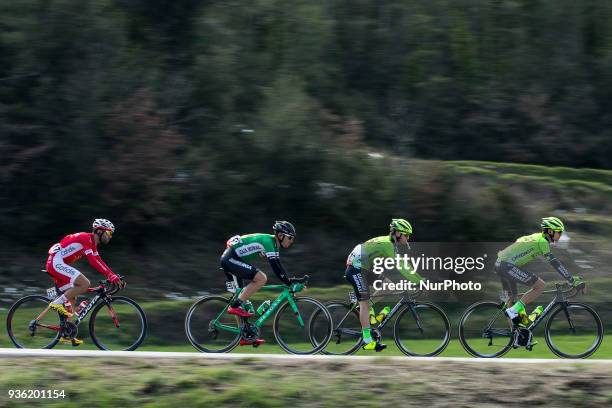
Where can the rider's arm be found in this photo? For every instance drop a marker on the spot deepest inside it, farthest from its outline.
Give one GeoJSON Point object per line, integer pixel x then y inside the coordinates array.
{"type": "Point", "coordinates": [97, 263]}
{"type": "Point", "coordinates": [278, 269]}
{"type": "Point", "coordinates": [558, 266]}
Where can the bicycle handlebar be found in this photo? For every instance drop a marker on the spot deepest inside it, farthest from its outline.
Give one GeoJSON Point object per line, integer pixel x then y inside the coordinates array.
{"type": "Point", "coordinates": [303, 280]}
{"type": "Point", "coordinates": [108, 287]}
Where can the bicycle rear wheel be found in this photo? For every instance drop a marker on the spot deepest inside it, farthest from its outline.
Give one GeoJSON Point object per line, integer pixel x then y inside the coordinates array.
{"type": "Point", "coordinates": [485, 331]}
{"type": "Point", "coordinates": [346, 333]}
{"type": "Point", "coordinates": [421, 329]}
{"type": "Point", "coordinates": [575, 331]}
{"type": "Point", "coordinates": [209, 327]}
{"type": "Point", "coordinates": [43, 334]}
{"type": "Point", "coordinates": [304, 328]}
{"type": "Point", "coordinates": [118, 323]}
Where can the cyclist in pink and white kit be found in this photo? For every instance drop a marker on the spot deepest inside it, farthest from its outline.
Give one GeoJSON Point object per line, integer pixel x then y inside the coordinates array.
{"type": "Point", "coordinates": [72, 248]}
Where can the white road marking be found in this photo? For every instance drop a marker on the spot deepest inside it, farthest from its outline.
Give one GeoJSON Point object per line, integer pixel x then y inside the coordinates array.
{"type": "Point", "coordinates": [6, 353]}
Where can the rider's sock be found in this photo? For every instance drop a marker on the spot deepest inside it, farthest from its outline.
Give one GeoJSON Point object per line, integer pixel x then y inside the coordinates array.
{"type": "Point", "coordinates": [367, 335]}
{"type": "Point", "coordinates": [60, 300]}
{"type": "Point", "coordinates": [518, 307]}
{"type": "Point", "coordinates": [237, 303]}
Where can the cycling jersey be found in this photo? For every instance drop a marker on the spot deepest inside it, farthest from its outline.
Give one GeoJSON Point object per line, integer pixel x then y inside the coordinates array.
{"type": "Point", "coordinates": [527, 248]}
{"type": "Point", "coordinates": [363, 256]}
{"type": "Point", "coordinates": [252, 246]}
{"type": "Point", "coordinates": [70, 249]}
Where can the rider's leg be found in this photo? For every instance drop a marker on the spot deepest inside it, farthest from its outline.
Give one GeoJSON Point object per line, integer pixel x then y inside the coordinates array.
{"type": "Point", "coordinates": [513, 274]}
{"type": "Point", "coordinates": [364, 319]}
{"type": "Point", "coordinates": [258, 281]}
{"type": "Point", "coordinates": [536, 290]}
{"type": "Point", "coordinates": [64, 277]}
{"type": "Point", "coordinates": [80, 285]}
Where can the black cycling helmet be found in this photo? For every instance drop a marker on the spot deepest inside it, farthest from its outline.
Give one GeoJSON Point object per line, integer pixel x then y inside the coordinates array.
{"type": "Point", "coordinates": [284, 227]}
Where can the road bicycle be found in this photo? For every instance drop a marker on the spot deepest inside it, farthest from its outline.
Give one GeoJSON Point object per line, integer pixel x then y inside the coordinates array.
{"type": "Point", "coordinates": [116, 322]}
{"type": "Point", "coordinates": [420, 328]}
{"type": "Point", "coordinates": [572, 329]}
{"type": "Point", "coordinates": [302, 325]}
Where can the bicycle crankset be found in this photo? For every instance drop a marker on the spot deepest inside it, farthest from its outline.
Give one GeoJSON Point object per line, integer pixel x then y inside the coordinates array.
{"type": "Point", "coordinates": [249, 332]}
{"type": "Point", "coordinates": [70, 330]}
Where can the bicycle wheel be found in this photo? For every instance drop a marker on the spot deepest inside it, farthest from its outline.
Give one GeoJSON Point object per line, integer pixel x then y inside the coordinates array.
{"type": "Point", "coordinates": [346, 332]}
{"type": "Point", "coordinates": [304, 328]}
{"type": "Point", "coordinates": [421, 329]}
{"type": "Point", "coordinates": [45, 334]}
{"type": "Point", "coordinates": [575, 331]}
{"type": "Point", "coordinates": [118, 323]}
{"type": "Point", "coordinates": [209, 327]}
{"type": "Point", "coordinates": [485, 331]}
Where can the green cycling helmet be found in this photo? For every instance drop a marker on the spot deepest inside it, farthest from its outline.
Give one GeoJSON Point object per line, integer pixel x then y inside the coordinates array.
{"type": "Point", "coordinates": [552, 223]}
{"type": "Point", "coordinates": [400, 225]}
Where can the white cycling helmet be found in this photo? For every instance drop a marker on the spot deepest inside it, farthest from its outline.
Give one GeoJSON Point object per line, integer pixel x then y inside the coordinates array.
{"type": "Point", "coordinates": [103, 224]}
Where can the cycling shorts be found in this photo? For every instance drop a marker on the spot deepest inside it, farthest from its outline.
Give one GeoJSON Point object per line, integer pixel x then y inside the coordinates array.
{"type": "Point", "coordinates": [511, 274]}
{"type": "Point", "coordinates": [357, 279]}
{"type": "Point", "coordinates": [63, 274]}
{"type": "Point", "coordinates": [232, 264]}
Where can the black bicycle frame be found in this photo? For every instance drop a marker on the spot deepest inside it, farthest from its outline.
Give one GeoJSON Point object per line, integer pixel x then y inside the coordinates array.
{"type": "Point", "coordinates": [558, 299]}
{"type": "Point", "coordinates": [406, 299]}
{"type": "Point", "coordinates": [100, 294]}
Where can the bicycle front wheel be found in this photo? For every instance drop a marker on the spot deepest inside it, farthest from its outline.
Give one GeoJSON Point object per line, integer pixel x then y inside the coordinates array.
{"type": "Point", "coordinates": [24, 331]}
{"type": "Point", "coordinates": [574, 331]}
{"type": "Point", "coordinates": [346, 333]}
{"type": "Point", "coordinates": [485, 331]}
{"type": "Point", "coordinates": [209, 327]}
{"type": "Point", "coordinates": [302, 325]}
{"type": "Point", "coordinates": [421, 329]}
{"type": "Point", "coordinates": [117, 323]}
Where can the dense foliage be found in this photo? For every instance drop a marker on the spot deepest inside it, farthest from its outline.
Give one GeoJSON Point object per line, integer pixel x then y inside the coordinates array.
{"type": "Point", "coordinates": [180, 118]}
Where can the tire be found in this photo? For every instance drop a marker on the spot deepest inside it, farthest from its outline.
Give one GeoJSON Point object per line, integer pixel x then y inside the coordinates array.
{"type": "Point", "coordinates": [480, 324]}
{"type": "Point", "coordinates": [312, 334]}
{"type": "Point", "coordinates": [205, 337]}
{"type": "Point", "coordinates": [413, 338]}
{"type": "Point", "coordinates": [19, 316]}
{"type": "Point", "coordinates": [104, 332]}
{"type": "Point", "coordinates": [346, 331]}
{"type": "Point", "coordinates": [586, 322]}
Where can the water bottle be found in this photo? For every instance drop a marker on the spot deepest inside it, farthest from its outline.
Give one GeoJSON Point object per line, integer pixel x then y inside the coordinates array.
{"type": "Point", "coordinates": [263, 307]}
{"type": "Point", "coordinates": [248, 306]}
{"type": "Point", "coordinates": [536, 312]}
{"type": "Point", "coordinates": [383, 313]}
{"type": "Point", "coordinates": [372, 314]}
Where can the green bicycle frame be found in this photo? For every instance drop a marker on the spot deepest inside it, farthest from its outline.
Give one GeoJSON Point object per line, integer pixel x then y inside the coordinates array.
{"type": "Point", "coordinates": [286, 294]}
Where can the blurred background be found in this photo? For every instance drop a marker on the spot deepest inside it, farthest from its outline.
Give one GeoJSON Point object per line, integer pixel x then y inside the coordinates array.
{"type": "Point", "coordinates": [186, 122]}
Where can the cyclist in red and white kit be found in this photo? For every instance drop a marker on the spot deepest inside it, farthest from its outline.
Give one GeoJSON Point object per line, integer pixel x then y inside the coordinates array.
{"type": "Point", "coordinates": [72, 248]}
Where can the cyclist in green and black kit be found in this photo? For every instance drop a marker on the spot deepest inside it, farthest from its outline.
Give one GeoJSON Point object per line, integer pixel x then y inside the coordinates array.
{"type": "Point", "coordinates": [360, 260]}
{"type": "Point", "coordinates": [511, 260]}
{"type": "Point", "coordinates": [242, 249]}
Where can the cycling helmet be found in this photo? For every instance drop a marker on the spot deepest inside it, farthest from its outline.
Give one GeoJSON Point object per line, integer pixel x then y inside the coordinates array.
{"type": "Point", "coordinates": [400, 225]}
{"type": "Point", "coordinates": [284, 227]}
{"type": "Point", "coordinates": [552, 223]}
{"type": "Point", "coordinates": [101, 223]}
